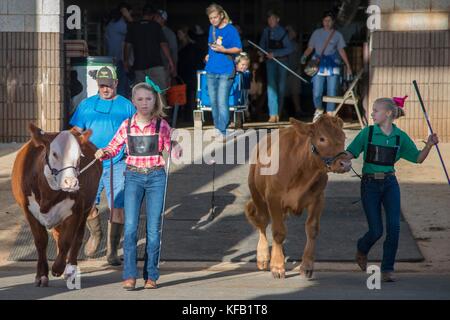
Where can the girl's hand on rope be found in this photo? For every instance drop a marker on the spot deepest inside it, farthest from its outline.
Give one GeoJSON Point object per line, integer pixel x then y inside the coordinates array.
{"type": "Point", "coordinates": [100, 154]}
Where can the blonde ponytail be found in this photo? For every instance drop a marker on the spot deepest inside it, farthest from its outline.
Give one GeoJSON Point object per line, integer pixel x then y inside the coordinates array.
{"type": "Point", "coordinates": [390, 105]}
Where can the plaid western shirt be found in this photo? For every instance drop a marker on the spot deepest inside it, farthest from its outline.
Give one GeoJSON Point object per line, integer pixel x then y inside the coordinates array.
{"type": "Point", "coordinates": [140, 161]}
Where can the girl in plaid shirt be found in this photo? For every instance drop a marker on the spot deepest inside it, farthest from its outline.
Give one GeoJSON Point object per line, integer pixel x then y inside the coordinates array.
{"type": "Point", "coordinates": [146, 134]}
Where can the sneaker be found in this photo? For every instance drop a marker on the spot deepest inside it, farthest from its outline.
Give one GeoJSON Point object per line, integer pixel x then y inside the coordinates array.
{"type": "Point", "coordinates": [272, 119]}
{"type": "Point", "coordinates": [388, 277]}
{"type": "Point", "coordinates": [233, 133]}
{"type": "Point", "coordinates": [317, 114]}
{"type": "Point", "coordinates": [361, 260]}
{"type": "Point", "coordinates": [219, 138]}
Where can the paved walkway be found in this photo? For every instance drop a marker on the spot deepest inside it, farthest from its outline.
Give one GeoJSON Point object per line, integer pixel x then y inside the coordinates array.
{"type": "Point", "coordinates": [425, 203]}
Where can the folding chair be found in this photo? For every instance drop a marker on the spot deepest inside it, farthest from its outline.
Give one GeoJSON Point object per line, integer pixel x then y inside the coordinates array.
{"type": "Point", "coordinates": [350, 97]}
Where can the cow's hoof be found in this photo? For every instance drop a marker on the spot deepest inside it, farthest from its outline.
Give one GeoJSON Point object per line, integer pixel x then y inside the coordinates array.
{"type": "Point", "coordinates": [41, 281]}
{"type": "Point", "coordinates": [263, 265]}
{"type": "Point", "coordinates": [306, 273]}
{"type": "Point", "coordinates": [278, 273]}
{"type": "Point", "coordinates": [56, 272]}
{"type": "Point", "coordinates": [58, 269]}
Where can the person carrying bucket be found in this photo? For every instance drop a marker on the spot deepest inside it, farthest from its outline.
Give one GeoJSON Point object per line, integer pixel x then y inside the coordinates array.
{"type": "Point", "coordinates": [146, 135]}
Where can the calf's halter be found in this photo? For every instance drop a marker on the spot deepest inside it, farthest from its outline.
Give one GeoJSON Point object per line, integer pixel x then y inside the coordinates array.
{"type": "Point", "coordinates": [55, 172]}
{"type": "Point", "coordinates": [328, 161]}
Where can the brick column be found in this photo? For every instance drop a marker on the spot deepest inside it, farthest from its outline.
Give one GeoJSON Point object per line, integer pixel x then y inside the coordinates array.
{"type": "Point", "coordinates": [31, 67]}
{"type": "Point", "coordinates": [413, 44]}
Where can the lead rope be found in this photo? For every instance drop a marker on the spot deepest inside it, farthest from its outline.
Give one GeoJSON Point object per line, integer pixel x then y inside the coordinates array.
{"type": "Point", "coordinates": [165, 193]}
{"type": "Point", "coordinates": [88, 166]}
{"type": "Point", "coordinates": [355, 202]}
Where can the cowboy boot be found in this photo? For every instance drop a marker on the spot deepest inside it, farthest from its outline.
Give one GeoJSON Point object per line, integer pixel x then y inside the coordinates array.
{"type": "Point", "coordinates": [361, 260]}
{"type": "Point", "coordinates": [95, 230]}
{"type": "Point", "coordinates": [388, 277]}
{"type": "Point", "coordinates": [114, 235]}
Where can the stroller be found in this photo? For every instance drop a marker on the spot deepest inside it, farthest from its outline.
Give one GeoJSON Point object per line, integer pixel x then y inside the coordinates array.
{"type": "Point", "coordinates": [237, 101]}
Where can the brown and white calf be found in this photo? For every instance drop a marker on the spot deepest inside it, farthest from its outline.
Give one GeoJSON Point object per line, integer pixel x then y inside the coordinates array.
{"type": "Point", "coordinates": [53, 195]}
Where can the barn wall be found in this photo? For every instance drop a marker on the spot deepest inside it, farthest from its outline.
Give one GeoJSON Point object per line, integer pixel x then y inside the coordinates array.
{"type": "Point", "coordinates": [31, 68]}
{"type": "Point", "coordinates": [417, 49]}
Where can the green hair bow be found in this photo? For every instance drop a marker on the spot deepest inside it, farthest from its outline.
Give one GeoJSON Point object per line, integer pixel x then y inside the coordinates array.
{"type": "Point", "coordinates": [154, 85]}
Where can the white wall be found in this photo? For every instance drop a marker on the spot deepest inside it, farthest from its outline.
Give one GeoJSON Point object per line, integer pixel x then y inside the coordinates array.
{"type": "Point", "coordinates": [412, 5]}
{"type": "Point", "coordinates": [31, 15]}
{"type": "Point", "coordinates": [414, 15]}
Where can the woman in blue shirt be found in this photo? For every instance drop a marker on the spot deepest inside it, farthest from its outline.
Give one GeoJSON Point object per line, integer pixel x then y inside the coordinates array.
{"type": "Point", "coordinates": [224, 43]}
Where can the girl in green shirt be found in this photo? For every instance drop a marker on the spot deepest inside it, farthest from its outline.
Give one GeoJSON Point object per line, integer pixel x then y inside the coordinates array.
{"type": "Point", "coordinates": [383, 144]}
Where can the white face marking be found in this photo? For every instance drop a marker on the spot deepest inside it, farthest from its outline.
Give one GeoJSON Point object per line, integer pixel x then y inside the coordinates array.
{"type": "Point", "coordinates": [64, 152]}
{"type": "Point", "coordinates": [57, 214]}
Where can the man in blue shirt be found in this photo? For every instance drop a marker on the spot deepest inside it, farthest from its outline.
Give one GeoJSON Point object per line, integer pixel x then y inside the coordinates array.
{"type": "Point", "coordinates": [103, 113]}
{"type": "Point", "coordinates": [275, 40]}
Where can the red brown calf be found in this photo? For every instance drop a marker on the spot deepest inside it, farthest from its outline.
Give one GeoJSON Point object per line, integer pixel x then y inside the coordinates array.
{"type": "Point", "coordinates": [307, 152]}
{"type": "Point", "coordinates": [53, 195]}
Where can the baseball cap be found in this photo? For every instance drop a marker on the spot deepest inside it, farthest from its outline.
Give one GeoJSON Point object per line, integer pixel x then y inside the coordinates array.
{"type": "Point", "coordinates": [106, 76]}
{"type": "Point", "coordinates": [163, 14]}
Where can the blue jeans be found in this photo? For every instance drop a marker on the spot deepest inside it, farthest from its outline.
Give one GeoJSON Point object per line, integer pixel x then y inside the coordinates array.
{"type": "Point", "coordinates": [138, 185]}
{"type": "Point", "coordinates": [374, 193]}
{"type": "Point", "coordinates": [118, 181]}
{"type": "Point", "coordinates": [219, 86]}
{"type": "Point", "coordinates": [276, 87]}
{"type": "Point", "coordinates": [318, 84]}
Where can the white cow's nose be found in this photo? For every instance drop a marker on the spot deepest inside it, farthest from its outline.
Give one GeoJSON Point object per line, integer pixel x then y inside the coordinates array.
{"type": "Point", "coordinates": [70, 183]}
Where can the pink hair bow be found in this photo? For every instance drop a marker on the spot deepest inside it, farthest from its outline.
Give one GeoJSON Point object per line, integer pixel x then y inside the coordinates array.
{"type": "Point", "coordinates": [400, 102]}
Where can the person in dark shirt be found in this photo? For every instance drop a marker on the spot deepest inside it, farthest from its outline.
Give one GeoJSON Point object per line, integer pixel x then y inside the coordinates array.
{"type": "Point", "coordinates": [190, 60]}
{"type": "Point", "coordinates": [116, 30]}
{"type": "Point", "coordinates": [276, 42]}
{"type": "Point", "coordinates": [147, 38]}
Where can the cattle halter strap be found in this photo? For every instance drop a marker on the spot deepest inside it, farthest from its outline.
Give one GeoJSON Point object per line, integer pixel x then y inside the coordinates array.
{"type": "Point", "coordinates": [55, 172]}
{"type": "Point", "coordinates": [328, 161]}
